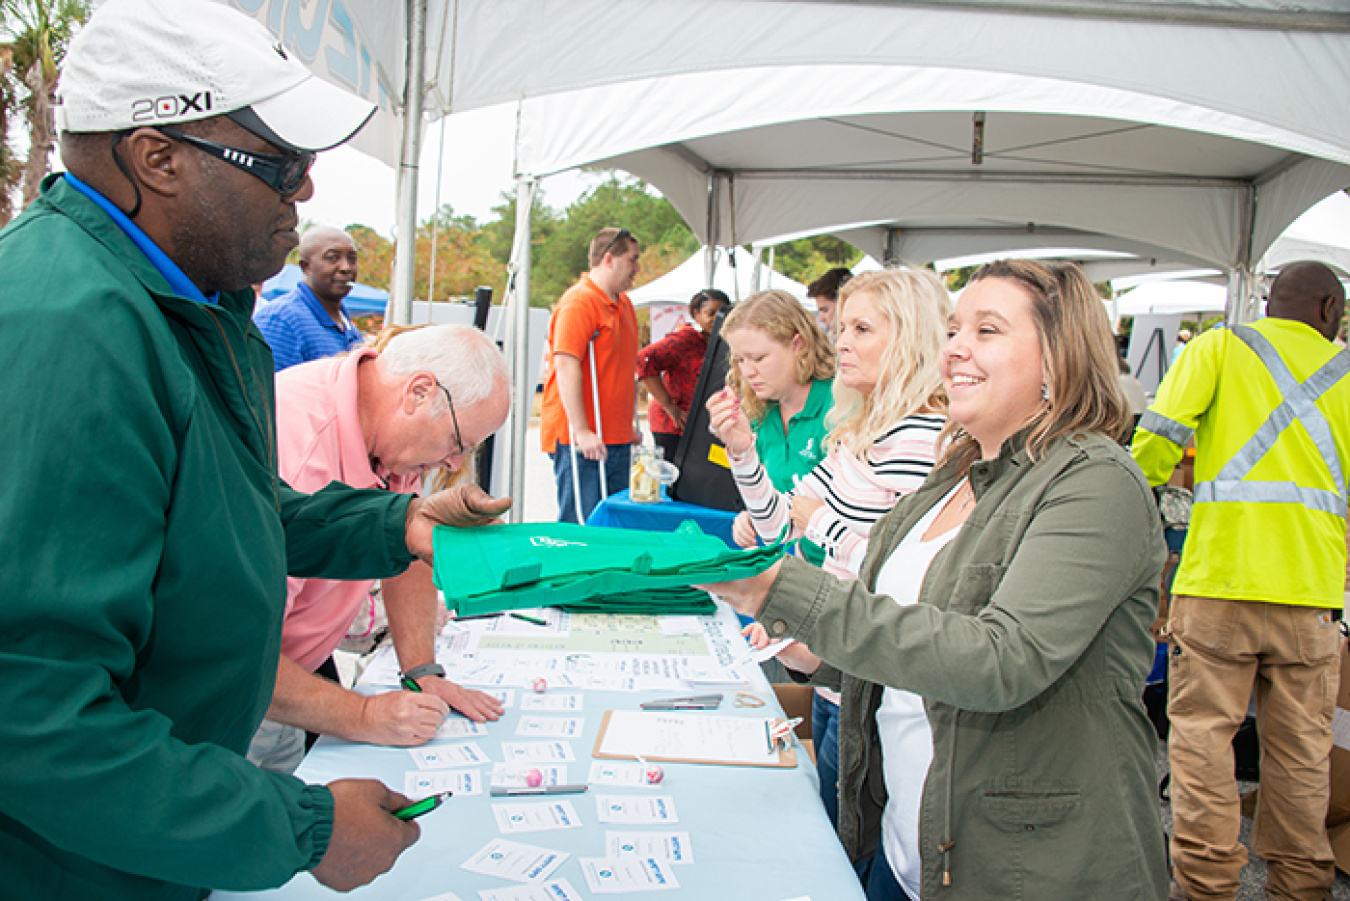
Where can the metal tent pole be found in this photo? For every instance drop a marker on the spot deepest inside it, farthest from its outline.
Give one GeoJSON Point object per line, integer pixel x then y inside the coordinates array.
{"type": "Point", "coordinates": [522, 392]}
{"type": "Point", "coordinates": [405, 236]}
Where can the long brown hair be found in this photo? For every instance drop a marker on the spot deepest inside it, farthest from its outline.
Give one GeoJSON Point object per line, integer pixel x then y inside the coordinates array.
{"type": "Point", "coordinates": [1082, 375]}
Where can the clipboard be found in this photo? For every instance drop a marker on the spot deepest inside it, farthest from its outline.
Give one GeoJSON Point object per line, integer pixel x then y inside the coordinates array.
{"type": "Point", "coordinates": [628, 734]}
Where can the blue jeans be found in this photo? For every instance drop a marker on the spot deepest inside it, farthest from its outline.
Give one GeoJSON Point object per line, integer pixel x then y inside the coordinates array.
{"type": "Point", "coordinates": [880, 883]}
{"type": "Point", "coordinates": [618, 460]}
{"type": "Point", "coordinates": [825, 734]}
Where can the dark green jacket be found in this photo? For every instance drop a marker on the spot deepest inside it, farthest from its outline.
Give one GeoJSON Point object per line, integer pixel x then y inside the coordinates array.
{"type": "Point", "coordinates": [146, 543]}
{"type": "Point", "coordinates": [1030, 644]}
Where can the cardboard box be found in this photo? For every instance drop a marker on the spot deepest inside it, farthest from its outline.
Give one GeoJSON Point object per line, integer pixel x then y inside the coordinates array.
{"type": "Point", "coordinates": [1338, 811]}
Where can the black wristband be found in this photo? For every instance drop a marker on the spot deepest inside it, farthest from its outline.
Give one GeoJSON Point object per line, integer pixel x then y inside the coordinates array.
{"type": "Point", "coordinates": [426, 669]}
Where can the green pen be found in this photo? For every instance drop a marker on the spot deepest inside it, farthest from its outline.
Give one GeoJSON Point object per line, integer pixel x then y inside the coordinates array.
{"type": "Point", "coordinates": [529, 619]}
{"type": "Point", "coordinates": [426, 805]}
{"type": "Point", "coordinates": [409, 684]}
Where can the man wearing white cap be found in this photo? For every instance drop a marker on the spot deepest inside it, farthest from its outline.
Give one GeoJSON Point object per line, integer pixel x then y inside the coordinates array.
{"type": "Point", "coordinates": [145, 576]}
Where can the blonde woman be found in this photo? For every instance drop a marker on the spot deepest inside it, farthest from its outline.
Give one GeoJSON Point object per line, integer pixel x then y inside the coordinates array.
{"type": "Point", "coordinates": [779, 378]}
{"type": "Point", "coordinates": [883, 431]}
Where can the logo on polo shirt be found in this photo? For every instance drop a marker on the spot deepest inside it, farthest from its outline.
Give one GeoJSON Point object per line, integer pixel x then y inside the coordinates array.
{"type": "Point", "coordinates": [170, 106]}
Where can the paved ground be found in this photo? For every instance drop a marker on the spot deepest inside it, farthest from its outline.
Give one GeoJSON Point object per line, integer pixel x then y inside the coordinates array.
{"type": "Point", "coordinates": [1254, 874]}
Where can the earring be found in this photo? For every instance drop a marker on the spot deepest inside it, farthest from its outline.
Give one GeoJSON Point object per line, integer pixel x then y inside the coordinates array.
{"type": "Point", "coordinates": [1045, 394]}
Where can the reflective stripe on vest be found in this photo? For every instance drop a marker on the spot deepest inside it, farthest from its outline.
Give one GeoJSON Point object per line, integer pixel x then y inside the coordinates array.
{"type": "Point", "coordinates": [1170, 429]}
{"type": "Point", "coordinates": [1298, 405]}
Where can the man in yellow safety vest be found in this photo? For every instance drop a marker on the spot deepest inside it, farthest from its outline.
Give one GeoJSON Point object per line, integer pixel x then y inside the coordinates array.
{"type": "Point", "coordinates": [1260, 588]}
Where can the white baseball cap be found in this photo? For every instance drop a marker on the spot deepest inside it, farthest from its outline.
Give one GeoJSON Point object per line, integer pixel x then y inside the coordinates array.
{"type": "Point", "coordinates": [161, 62]}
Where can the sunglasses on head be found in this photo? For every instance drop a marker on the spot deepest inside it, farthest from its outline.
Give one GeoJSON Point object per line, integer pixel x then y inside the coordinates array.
{"type": "Point", "coordinates": [622, 234]}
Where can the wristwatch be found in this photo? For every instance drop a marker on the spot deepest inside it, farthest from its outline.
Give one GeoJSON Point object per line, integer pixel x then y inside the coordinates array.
{"type": "Point", "coordinates": [426, 669]}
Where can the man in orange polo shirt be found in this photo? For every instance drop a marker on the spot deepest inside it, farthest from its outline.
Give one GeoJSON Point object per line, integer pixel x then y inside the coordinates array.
{"type": "Point", "coordinates": [593, 330]}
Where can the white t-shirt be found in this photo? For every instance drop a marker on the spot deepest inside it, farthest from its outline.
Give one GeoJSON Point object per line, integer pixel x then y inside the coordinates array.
{"type": "Point", "coordinates": [902, 725]}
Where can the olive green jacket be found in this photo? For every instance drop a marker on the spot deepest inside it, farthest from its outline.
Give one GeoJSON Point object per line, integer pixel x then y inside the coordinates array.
{"type": "Point", "coordinates": [1030, 644]}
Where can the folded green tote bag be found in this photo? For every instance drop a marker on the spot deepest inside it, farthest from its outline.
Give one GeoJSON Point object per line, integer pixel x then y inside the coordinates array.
{"type": "Point", "coordinates": [490, 569]}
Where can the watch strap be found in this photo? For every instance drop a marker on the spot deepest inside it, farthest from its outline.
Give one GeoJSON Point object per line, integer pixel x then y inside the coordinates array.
{"type": "Point", "coordinates": [426, 669]}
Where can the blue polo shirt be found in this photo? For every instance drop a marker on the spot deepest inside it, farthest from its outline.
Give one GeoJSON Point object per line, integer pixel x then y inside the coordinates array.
{"type": "Point", "coordinates": [299, 329]}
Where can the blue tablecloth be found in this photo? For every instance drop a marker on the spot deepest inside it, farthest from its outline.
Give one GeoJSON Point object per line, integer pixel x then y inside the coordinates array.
{"type": "Point", "coordinates": [756, 832]}
{"type": "Point", "coordinates": [621, 512]}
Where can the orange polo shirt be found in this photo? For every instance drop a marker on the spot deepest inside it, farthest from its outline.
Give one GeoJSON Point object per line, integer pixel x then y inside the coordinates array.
{"type": "Point", "coordinates": [585, 310]}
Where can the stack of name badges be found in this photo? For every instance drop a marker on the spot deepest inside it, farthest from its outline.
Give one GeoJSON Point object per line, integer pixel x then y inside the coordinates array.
{"type": "Point", "coordinates": [491, 569]}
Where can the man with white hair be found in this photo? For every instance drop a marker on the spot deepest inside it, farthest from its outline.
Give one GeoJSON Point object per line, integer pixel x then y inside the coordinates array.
{"type": "Point", "coordinates": [373, 420]}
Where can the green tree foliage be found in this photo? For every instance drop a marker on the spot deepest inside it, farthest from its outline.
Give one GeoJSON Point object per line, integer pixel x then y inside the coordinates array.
{"type": "Point", "coordinates": [807, 259]}
{"type": "Point", "coordinates": [37, 33]}
{"type": "Point", "coordinates": [619, 201]}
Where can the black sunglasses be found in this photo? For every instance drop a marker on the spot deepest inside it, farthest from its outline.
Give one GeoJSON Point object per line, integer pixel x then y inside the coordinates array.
{"type": "Point", "coordinates": [282, 172]}
{"type": "Point", "coordinates": [623, 234]}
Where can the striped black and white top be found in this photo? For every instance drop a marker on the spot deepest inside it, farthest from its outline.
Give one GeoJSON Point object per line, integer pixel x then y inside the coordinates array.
{"type": "Point", "coordinates": [855, 492]}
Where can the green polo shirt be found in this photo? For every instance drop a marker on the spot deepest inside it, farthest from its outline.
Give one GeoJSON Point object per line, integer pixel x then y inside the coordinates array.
{"type": "Point", "coordinates": [788, 456]}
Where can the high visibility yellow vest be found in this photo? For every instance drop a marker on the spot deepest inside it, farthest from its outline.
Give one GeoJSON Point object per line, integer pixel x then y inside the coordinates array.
{"type": "Point", "coordinates": [1269, 406]}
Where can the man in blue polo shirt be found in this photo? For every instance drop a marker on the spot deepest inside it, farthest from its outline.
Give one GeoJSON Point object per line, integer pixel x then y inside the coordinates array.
{"type": "Point", "coordinates": [310, 322]}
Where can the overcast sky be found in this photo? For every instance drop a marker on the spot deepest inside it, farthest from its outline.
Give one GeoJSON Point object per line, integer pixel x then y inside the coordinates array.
{"type": "Point", "coordinates": [350, 187]}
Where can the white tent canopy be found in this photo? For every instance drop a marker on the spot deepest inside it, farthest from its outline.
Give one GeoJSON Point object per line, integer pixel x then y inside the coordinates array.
{"type": "Point", "coordinates": [885, 156]}
{"type": "Point", "coordinates": [736, 281]}
{"type": "Point", "coordinates": [1189, 131]}
{"type": "Point", "coordinates": [1322, 233]}
{"type": "Point", "coordinates": [1166, 296]}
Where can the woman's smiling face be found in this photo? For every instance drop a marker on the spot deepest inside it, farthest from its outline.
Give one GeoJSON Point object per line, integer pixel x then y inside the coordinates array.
{"type": "Point", "coordinates": [992, 365]}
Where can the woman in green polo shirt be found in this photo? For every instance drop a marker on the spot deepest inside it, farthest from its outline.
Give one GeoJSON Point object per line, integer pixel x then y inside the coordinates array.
{"type": "Point", "coordinates": [781, 370]}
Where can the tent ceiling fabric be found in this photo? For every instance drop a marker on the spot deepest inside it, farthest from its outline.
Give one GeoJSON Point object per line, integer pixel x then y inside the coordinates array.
{"type": "Point", "coordinates": [1295, 69]}
{"type": "Point", "coordinates": [800, 150]}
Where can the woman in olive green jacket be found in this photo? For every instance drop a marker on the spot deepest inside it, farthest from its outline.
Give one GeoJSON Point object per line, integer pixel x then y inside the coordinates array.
{"type": "Point", "coordinates": [1027, 635]}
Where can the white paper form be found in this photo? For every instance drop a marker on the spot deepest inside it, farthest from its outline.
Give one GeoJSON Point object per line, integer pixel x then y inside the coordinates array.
{"type": "Point", "coordinates": [449, 756]}
{"type": "Point", "coordinates": [672, 846]}
{"type": "Point", "coordinates": [461, 782]}
{"type": "Point", "coordinates": [687, 736]}
{"type": "Point", "coordinates": [555, 623]}
{"type": "Point", "coordinates": [635, 809]}
{"type": "Point", "coordinates": [538, 752]}
{"type": "Point", "coordinates": [553, 701]}
{"type": "Point", "coordinates": [612, 875]}
{"type": "Point", "coordinates": [551, 726]}
{"type": "Point", "coordinates": [628, 775]}
{"type": "Point", "coordinates": [536, 816]}
{"type": "Point", "coordinates": [508, 775]}
{"type": "Point", "coordinates": [458, 727]}
{"type": "Point", "coordinates": [515, 861]}
{"type": "Point", "coordinates": [681, 625]}
{"type": "Point", "coordinates": [445, 896]}
{"type": "Point", "coordinates": [561, 890]}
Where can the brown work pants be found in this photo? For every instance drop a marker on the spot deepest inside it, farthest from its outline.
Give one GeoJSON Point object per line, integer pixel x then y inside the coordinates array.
{"type": "Point", "coordinates": [1222, 651]}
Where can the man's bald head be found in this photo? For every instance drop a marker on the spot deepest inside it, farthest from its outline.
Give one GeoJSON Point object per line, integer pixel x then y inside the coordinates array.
{"type": "Point", "coordinates": [319, 236]}
{"type": "Point", "coordinates": [328, 259]}
{"type": "Point", "coordinates": [1308, 292]}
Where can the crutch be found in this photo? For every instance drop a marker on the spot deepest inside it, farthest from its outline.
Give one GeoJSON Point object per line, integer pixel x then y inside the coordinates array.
{"type": "Point", "coordinates": [599, 430]}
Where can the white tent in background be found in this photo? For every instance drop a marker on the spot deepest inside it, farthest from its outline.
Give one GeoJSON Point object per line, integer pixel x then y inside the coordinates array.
{"type": "Point", "coordinates": [1169, 296]}
{"type": "Point", "coordinates": [667, 298]}
{"type": "Point", "coordinates": [1322, 233]}
{"type": "Point", "coordinates": [735, 279]}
